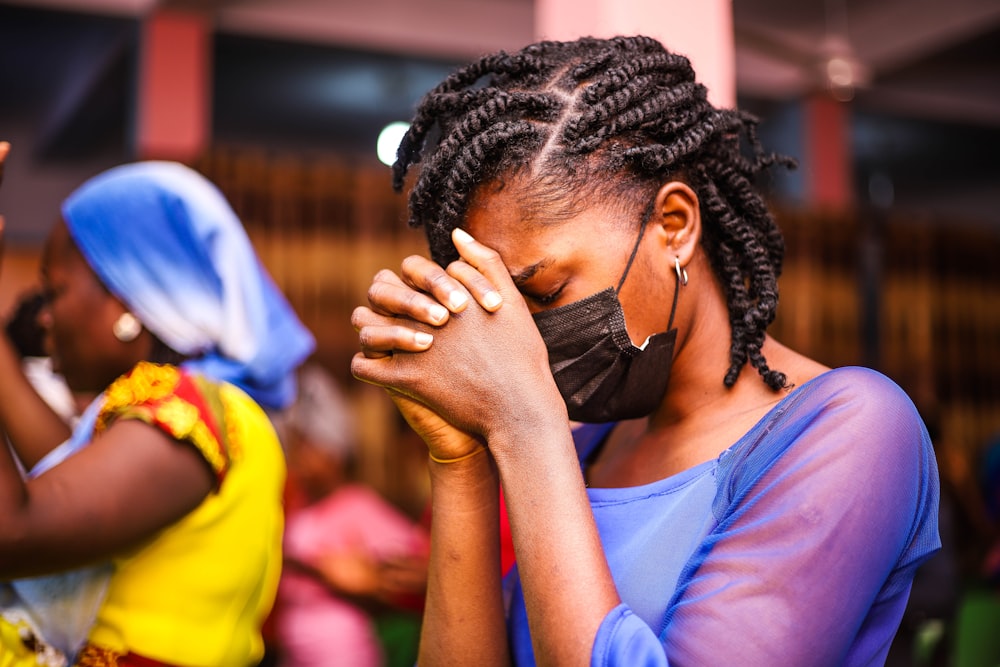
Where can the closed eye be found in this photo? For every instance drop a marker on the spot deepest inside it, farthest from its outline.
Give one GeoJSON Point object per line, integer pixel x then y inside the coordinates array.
{"type": "Point", "coordinates": [546, 299]}
{"type": "Point", "coordinates": [50, 294]}
{"type": "Point", "coordinates": [533, 274]}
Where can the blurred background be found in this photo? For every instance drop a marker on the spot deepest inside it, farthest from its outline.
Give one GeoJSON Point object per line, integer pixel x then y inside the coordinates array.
{"type": "Point", "coordinates": [892, 108]}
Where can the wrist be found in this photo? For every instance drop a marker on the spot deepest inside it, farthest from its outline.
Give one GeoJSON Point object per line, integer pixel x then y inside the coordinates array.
{"type": "Point", "coordinates": [472, 484]}
{"type": "Point", "coordinates": [521, 433]}
{"type": "Point", "coordinates": [480, 449]}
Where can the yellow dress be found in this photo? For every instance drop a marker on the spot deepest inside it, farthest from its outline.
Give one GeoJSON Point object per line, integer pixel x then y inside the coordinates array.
{"type": "Point", "coordinates": [198, 593]}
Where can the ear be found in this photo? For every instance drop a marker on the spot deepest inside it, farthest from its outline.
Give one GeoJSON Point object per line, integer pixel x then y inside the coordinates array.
{"type": "Point", "coordinates": [677, 217]}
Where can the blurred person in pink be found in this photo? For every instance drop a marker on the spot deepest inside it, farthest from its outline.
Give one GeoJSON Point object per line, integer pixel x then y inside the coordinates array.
{"type": "Point", "coordinates": [350, 555]}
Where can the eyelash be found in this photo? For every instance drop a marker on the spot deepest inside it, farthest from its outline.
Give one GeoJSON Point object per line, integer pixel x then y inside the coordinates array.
{"type": "Point", "coordinates": [548, 298]}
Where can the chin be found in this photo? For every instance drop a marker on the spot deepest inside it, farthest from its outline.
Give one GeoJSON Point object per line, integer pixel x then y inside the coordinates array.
{"type": "Point", "coordinates": [77, 382]}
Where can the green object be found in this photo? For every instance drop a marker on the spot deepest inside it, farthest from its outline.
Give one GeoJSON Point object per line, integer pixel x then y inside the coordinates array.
{"type": "Point", "coordinates": [930, 634]}
{"type": "Point", "coordinates": [399, 634]}
{"type": "Point", "coordinates": [977, 631]}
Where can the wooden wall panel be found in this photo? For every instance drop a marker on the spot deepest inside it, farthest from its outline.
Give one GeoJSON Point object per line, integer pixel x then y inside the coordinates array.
{"type": "Point", "coordinates": [323, 228]}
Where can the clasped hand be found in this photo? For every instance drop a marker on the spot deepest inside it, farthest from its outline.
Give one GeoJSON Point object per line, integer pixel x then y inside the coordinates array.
{"type": "Point", "coordinates": [456, 348]}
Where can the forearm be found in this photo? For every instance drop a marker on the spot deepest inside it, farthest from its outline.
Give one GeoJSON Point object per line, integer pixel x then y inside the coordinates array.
{"type": "Point", "coordinates": [567, 585]}
{"type": "Point", "coordinates": [31, 425]}
{"type": "Point", "coordinates": [12, 489]}
{"type": "Point", "coordinates": [366, 600]}
{"type": "Point", "coordinates": [463, 620]}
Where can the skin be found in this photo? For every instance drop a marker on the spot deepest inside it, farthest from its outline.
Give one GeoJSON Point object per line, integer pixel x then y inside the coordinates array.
{"type": "Point", "coordinates": [476, 353]}
{"type": "Point", "coordinates": [130, 483]}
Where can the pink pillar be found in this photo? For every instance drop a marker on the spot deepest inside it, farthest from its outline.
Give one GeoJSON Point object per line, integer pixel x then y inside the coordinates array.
{"type": "Point", "coordinates": [702, 30]}
{"type": "Point", "coordinates": [827, 153]}
{"type": "Point", "coordinates": [173, 110]}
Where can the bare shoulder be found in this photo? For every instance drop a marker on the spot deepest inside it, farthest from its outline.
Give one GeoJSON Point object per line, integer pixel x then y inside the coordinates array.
{"type": "Point", "coordinates": [797, 367]}
{"type": "Point", "coordinates": [867, 393]}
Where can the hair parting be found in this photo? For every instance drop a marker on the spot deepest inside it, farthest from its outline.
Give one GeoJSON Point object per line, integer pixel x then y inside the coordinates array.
{"type": "Point", "coordinates": [613, 117]}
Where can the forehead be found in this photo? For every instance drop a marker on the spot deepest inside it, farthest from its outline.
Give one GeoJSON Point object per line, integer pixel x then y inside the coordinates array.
{"type": "Point", "coordinates": [60, 252]}
{"type": "Point", "coordinates": [525, 229]}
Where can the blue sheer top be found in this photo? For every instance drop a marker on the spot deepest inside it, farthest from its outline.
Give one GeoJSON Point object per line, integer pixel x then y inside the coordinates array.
{"type": "Point", "coordinates": [796, 546]}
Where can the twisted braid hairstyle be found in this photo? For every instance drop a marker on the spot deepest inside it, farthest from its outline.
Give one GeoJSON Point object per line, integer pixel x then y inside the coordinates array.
{"type": "Point", "coordinates": [608, 118]}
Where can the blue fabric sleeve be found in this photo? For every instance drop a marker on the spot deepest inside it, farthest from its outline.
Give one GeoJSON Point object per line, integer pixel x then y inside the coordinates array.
{"type": "Point", "coordinates": [624, 639]}
{"type": "Point", "coordinates": [824, 512]}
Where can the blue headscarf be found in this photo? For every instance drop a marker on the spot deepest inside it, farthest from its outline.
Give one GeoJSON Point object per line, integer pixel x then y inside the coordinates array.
{"type": "Point", "coordinates": [165, 241]}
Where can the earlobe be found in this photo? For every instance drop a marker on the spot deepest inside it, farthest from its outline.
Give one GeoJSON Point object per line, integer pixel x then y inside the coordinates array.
{"type": "Point", "coordinates": [680, 218]}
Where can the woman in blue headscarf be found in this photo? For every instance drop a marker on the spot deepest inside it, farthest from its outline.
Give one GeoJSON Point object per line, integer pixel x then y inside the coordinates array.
{"type": "Point", "coordinates": [172, 481]}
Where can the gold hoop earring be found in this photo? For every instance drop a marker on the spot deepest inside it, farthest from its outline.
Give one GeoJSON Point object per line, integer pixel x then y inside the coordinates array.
{"type": "Point", "coordinates": [127, 328]}
{"type": "Point", "coordinates": [682, 274]}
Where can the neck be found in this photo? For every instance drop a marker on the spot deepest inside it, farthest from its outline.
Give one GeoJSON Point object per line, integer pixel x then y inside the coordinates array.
{"type": "Point", "coordinates": [701, 359]}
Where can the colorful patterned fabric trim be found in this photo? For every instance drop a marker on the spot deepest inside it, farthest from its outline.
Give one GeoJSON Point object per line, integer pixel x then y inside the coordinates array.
{"type": "Point", "coordinates": [185, 406]}
{"type": "Point", "coordinates": [21, 647]}
{"type": "Point", "coordinates": [96, 656]}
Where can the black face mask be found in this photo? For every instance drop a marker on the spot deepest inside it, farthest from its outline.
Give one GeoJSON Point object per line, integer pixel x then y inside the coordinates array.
{"type": "Point", "coordinates": [600, 373]}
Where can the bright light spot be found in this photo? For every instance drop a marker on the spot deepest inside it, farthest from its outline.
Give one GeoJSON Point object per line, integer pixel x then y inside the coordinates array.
{"type": "Point", "coordinates": [388, 141]}
{"type": "Point", "coordinates": [841, 78]}
{"type": "Point", "coordinates": [840, 72]}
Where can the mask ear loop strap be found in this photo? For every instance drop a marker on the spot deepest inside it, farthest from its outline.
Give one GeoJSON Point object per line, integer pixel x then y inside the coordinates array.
{"type": "Point", "coordinates": [682, 280]}
{"type": "Point", "coordinates": [682, 276]}
{"type": "Point", "coordinates": [635, 249]}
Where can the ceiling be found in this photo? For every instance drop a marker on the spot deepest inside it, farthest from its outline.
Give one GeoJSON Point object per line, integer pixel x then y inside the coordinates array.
{"type": "Point", "coordinates": [328, 73]}
{"type": "Point", "coordinates": [916, 58]}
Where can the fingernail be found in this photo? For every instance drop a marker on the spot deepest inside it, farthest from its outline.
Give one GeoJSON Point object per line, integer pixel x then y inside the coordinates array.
{"type": "Point", "coordinates": [462, 235]}
{"type": "Point", "coordinates": [457, 299]}
{"type": "Point", "coordinates": [491, 299]}
{"type": "Point", "coordinates": [438, 313]}
{"type": "Point", "coordinates": [423, 339]}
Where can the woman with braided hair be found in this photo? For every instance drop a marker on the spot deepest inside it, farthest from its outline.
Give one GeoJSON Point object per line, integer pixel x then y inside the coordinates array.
{"type": "Point", "coordinates": [599, 254]}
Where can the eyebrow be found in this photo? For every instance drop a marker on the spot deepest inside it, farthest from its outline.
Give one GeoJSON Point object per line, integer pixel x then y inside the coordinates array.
{"type": "Point", "coordinates": [527, 273]}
